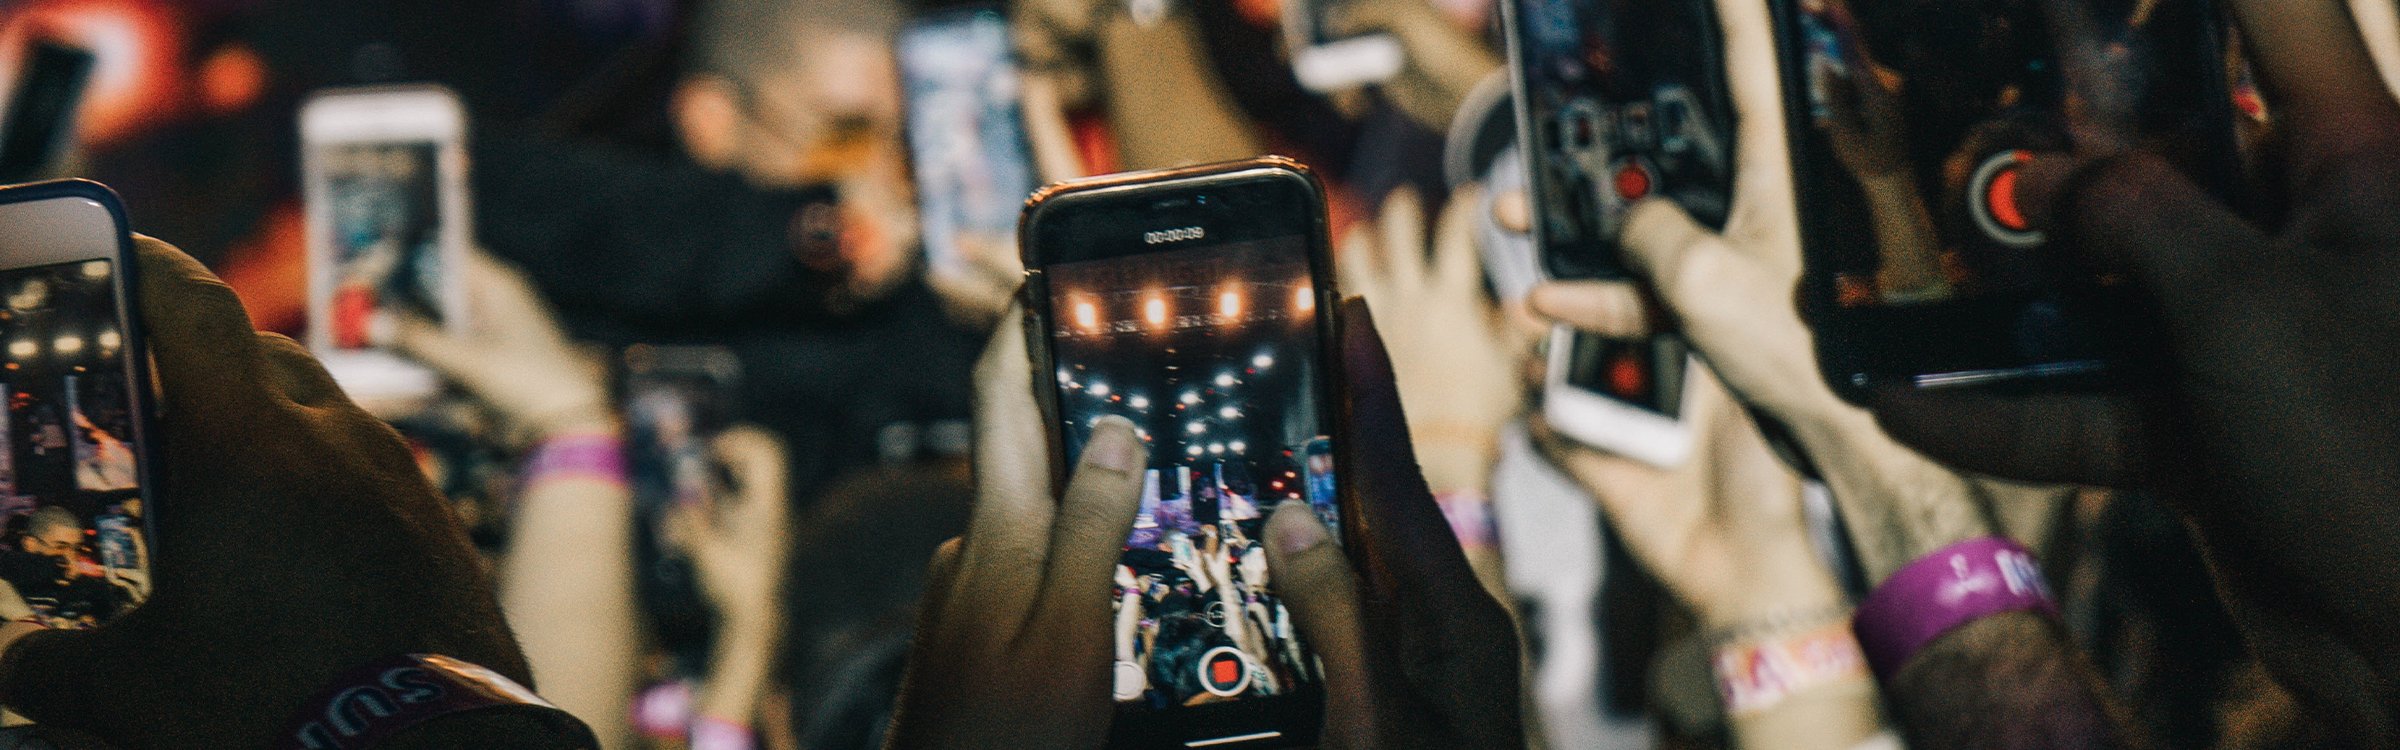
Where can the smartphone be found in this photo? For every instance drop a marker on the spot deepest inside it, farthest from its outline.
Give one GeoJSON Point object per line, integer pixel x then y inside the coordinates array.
{"type": "Point", "coordinates": [1325, 61]}
{"type": "Point", "coordinates": [1908, 125]}
{"type": "Point", "coordinates": [41, 111]}
{"type": "Point", "coordinates": [1199, 303]}
{"type": "Point", "coordinates": [967, 142]}
{"type": "Point", "coordinates": [384, 181]}
{"type": "Point", "coordinates": [676, 400]}
{"type": "Point", "coordinates": [75, 475]}
{"type": "Point", "coordinates": [1617, 100]}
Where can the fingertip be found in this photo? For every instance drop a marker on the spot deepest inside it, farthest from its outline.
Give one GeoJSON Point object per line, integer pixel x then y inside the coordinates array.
{"type": "Point", "coordinates": [1116, 445]}
{"type": "Point", "coordinates": [1294, 528]}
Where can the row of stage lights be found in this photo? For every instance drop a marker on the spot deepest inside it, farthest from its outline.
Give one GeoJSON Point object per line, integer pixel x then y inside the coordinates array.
{"type": "Point", "coordinates": [1189, 400]}
{"type": "Point", "coordinates": [1156, 311]}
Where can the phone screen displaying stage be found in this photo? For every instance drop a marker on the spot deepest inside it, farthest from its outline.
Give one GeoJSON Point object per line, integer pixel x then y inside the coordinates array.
{"type": "Point", "coordinates": [70, 475]}
{"type": "Point", "coordinates": [1211, 350]}
{"type": "Point", "coordinates": [966, 137]}
{"type": "Point", "coordinates": [383, 204]}
{"type": "Point", "coordinates": [1622, 100]}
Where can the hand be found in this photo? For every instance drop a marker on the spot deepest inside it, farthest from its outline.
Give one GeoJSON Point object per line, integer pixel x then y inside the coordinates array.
{"type": "Point", "coordinates": [1456, 361]}
{"type": "Point", "coordinates": [512, 355]}
{"type": "Point", "coordinates": [738, 546]}
{"type": "Point", "coordinates": [1732, 295]}
{"type": "Point", "coordinates": [1013, 648]}
{"type": "Point", "coordinates": [2271, 423]}
{"type": "Point", "coordinates": [1416, 652]}
{"type": "Point", "coordinates": [1441, 60]}
{"type": "Point", "coordinates": [309, 544]}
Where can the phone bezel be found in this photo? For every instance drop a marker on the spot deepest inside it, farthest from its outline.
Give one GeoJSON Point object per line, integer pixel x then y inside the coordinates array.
{"type": "Point", "coordinates": [384, 114]}
{"type": "Point", "coordinates": [1295, 716]}
{"type": "Point", "coordinates": [953, 264]}
{"type": "Point", "coordinates": [33, 218]}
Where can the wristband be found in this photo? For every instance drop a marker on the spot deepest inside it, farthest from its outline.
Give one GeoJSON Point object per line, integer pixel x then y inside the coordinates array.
{"type": "Point", "coordinates": [712, 733]}
{"type": "Point", "coordinates": [1470, 517]}
{"type": "Point", "coordinates": [371, 703]}
{"type": "Point", "coordinates": [591, 455]}
{"type": "Point", "coordinates": [1959, 584]}
{"type": "Point", "coordinates": [1753, 677]}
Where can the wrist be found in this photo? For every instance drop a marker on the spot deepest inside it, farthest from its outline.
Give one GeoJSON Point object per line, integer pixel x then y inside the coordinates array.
{"type": "Point", "coordinates": [1956, 585]}
{"type": "Point", "coordinates": [587, 417]}
{"type": "Point", "coordinates": [1793, 667]}
{"type": "Point", "coordinates": [597, 455]}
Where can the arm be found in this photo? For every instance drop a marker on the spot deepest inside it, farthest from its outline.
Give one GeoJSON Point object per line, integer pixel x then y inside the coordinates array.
{"type": "Point", "coordinates": [567, 585]}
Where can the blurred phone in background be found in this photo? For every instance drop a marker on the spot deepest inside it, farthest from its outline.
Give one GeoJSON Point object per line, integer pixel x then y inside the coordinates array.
{"type": "Point", "coordinates": [1618, 101]}
{"type": "Point", "coordinates": [384, 181]}
{"type": "Point", "coordinates": [40, 124]}
{"type": "Point", "coordinates": [1909, 123]}
{"type": "Point", "coordinates": [967, 143]}
{"type": "Point", "coordinates": [676, 400]}
{"type": "Point", "coordinates": [1326, 61]}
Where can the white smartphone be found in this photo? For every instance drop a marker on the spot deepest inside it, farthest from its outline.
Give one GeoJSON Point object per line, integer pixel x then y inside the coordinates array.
{"type": "Point", "coordinates": [384, 179]}
{"type": "Point", "coordinates": [75, 436]}
{"type": "Point", "coordinates": [967, 142]}
{"type": "Point", "coordinates": [1613, 394]}
{"type": "Point", "coordinates": [1325, 62]}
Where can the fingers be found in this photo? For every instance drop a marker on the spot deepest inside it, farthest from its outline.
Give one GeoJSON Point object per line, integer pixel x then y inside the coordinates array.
{"type": "Point", "coordinates": [2315, 69]}
{"type": "Point", "coordinates": [755, 459]}
{"type": "Point", "coordinates": [2080, 439]}
{"type": "Point", "coordinates": [1405, 542]}
{"type": "Point", "coordinates": [1009, 527]}
{"type": "Point", "coordinates": [1322, 591]}
{"type": "Point", "coordinates": [1093, 520]}
{"type": "Point", "coordinates": [1614, 309]}
{"type": "Point", "coordinates": [1658, 237]}
{"type": "Point", "coordinates": [437, 347]}
{"type": "Point", "coordinates": [1762, 164]}
{"type": "Point", "coordinates": [498, 294]}
{"type": "Point", "coordinates": [1354, 268]}
{"type": "Point", "coordinates": [2136, 213]}
{"type": "Point", "coordinates": [1456, 265]}
{"type": "Point", "coordinates": [1402, 230]}
{"type": "Point", "coordinates": [199, 335]}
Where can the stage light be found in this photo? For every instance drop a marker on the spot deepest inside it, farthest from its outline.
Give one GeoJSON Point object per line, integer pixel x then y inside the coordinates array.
{"type": "Point", "coordinates": [95, 269]}
{"type": "Point", "coordinates": [1191, 397]}
{"type": "Point", "coordinates": [1229, 413]}
{"type": "Point", "coordinates": [69, 344]}
{"type": "Point", "coordinates": [23, 348]}
{"type": "Point", "coordinates": [1155, 311]}
{"type": "Point", "coordinates": [1196, 428]}
{"type": "Point", "coordinates": [1225, 380]}
{"type": "Point", "coordinates": [109, 340]}
{"type": "Point", "coordinates": [1262, 361]}
{"type": "Point", "coordinates": [1229, 304]}
{"type": "Point", "coordinates": [1304, 299]}
{"type": "Point", "coordinates": [1100, 389]}
{"type": "Point", "coordinates": [1238, 446]}
{"type": "Point", "coordinates": [1065, 377]}
{"type": "Point", "coordinates": [1194, 450]}
{"type": "Point", "coordinates": [1216, 449]}
{"type": "Point", "coordinates": [1138, 402]}
{"type": "Point", "coordinates": [1087, 314]}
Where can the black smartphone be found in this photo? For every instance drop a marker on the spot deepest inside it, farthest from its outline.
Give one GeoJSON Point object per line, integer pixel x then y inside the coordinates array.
{"type": "Point", "coordinates": [1909, 122]}
{"type": "Point", "coordinates": [75, 473]}
{"type": "Point", "coordinates": [41, 113]}
{"type": "Point", "coordinates": [1199, 303]}
{"type": "Point", "coordinates": [966, 139]}
{"type": "Point", "coordinates": [675, 401]}
{"type": "Point", "coordinates": [1617, 100]}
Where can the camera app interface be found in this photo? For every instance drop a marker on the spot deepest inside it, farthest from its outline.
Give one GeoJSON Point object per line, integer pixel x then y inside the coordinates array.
{"type": "Point", "coordinates": [1212, 353]}
{"type": "Point", "coordinates": [386, 235]}
{"type": "Point", "coordinates": [1624, 100]}
{"type": "Point", "coordinates": [77, 552]}
{"type": "Point", "coordinates": [1916, 122]}
{"type": "Point", "coordinates": [973, 166]}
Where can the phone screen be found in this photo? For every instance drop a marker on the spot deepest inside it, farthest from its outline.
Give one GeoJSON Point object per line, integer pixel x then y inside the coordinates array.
{"type": "Point", "coordinates": [676, 400]}
{"type": "Point", "coordinates": [1621, 100]}
{"type": "Point", "coordinates": [383, 204]}
{"type": "Point", "coordinates": [70, 476]}
{"type": "Point", "coordinates": [1911, 122]}
{"type": "Point", "coordinates": [966, 136]}
{"type": "Point", "coordinates": [1212, 347]}
{"type": "Point", "coordinates": [41, 114]}
{"type": "Point", "coordinates": [1644, 373]}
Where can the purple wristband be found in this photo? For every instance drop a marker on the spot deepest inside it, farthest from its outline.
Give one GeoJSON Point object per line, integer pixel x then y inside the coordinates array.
{"type": "Point", "coordinates": [599, 456]}
{"type": "Point", "coordinates": [1959, 584]}
{"type": "Point", "coordinates": [712, 733]}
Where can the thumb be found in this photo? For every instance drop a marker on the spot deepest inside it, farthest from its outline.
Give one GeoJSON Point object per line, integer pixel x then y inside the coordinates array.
{"type": "Point", "coordinates": [1659, 241]}
{"type": "Point", "coordinates": [437, 347]}
{"type": "Point", "coordinates": [1318, 586]}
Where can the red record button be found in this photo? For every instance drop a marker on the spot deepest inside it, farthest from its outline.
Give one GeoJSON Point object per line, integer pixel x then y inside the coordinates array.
{"type": "Point", "coordinates": [2001, 198]}
{"type": "Point", "coordinates": [1633, 181]}
{"type": "Point", "coordinates": [1225, 671]}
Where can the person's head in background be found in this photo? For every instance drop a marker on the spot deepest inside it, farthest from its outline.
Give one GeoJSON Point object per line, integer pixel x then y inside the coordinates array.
{"type": "Point", "coordinates": [791, 92]}
{"type": "Point", "coordinates": [53, 531]}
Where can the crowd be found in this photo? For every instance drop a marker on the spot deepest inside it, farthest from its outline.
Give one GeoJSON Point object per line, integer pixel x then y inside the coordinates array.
{"type": "Point", "coordinates": [723, 459]}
